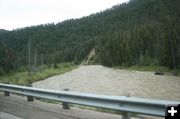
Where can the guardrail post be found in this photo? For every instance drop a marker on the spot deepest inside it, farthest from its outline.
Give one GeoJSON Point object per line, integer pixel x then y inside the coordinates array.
{"type": "Point", "coordinates": [65, 104]}
{"type": "Point", "coordinates": [6, 93]}
{"type": "Point", "coordinates": [30, 98]}
{"type": "Point", "coordinates": [126, 115]}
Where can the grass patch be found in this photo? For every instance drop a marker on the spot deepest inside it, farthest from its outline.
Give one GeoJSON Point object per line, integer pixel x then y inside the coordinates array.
{"type": "Point", "coordinates": [145, 68]}
{"type": "Point", "coordinates": [118, 112]}
{"type": "Point", "coordinates": [150, 68]}
{"type": "Point", "coordinates": [48, 101]}
{"type": "Point", "coordinates": [22, 78]}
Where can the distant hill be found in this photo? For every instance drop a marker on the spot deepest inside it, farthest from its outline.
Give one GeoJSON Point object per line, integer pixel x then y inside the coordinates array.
{"type": "Point", "coordinates": [3, 30]}
{"type": "Point", "coordinates": [2, 33]}
{"type": "Point", "coordinates": [140, 32]}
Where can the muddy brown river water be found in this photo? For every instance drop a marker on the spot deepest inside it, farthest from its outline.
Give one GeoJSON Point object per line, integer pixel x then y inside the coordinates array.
{"type": "Point", "coordinates": [97, 79]}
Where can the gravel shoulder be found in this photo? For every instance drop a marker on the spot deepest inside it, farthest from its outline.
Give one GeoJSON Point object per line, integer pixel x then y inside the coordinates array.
{"type": "Point", "coordinates": [17, 105]}
{"type": "Point", "coordinates": [4, 115]}
{"type": "Point", "coordinates": [102, 80]}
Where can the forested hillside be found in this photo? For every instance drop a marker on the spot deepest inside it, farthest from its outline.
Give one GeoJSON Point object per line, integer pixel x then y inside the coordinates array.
{"type": "Point", "coordinates": [7, 59]}
{"type": "Point", "coordinates": [140, 32]}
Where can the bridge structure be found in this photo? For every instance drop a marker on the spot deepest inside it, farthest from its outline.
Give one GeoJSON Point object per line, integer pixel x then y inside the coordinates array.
{"type": "Point", "coordinates": [125, 105]}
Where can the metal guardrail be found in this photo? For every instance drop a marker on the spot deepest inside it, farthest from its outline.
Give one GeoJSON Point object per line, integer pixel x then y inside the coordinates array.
{"type": "Point", "coordinates": [121, 103]}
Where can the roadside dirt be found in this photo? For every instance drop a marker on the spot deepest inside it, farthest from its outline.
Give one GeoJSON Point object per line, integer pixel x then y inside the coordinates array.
{"type": "Point", "coordinates": [97, 79]}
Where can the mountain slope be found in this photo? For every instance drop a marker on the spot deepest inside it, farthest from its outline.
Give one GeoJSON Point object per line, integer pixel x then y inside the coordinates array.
{"type": "Point", "coordinates": [7, 59]}
{"type": "Point", "coordinates": [2, 33]}
{"type": "Point", "coordinates": [136, 33]}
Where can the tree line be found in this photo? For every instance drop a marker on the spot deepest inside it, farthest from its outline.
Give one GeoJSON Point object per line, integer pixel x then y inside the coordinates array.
{"type": "Point", "coordinates": [135, 33]}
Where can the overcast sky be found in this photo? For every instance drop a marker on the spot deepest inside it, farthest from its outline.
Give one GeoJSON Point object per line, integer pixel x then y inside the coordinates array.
{"type": "Point", "coordinates": [20, 13]}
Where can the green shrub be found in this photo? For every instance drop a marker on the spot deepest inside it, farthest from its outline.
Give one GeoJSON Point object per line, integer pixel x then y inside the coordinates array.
{"type": "Point", "coordinates": [2, 73]}
{"type": "Point", "coordinates": [22, 78]}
